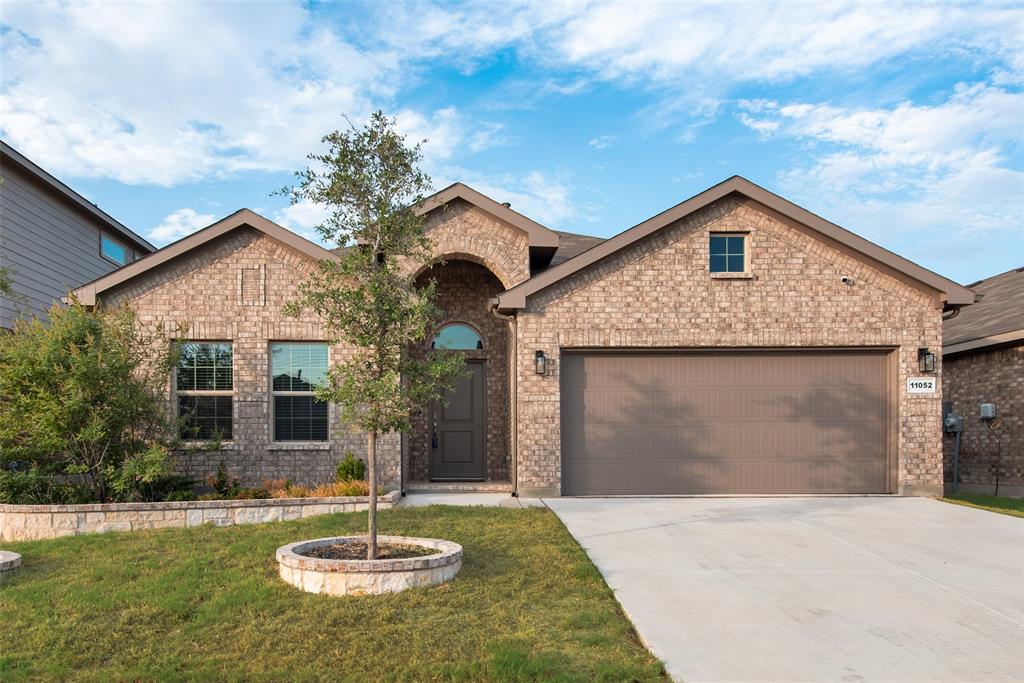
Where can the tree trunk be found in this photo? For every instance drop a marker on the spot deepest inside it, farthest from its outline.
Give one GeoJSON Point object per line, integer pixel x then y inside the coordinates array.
{"type": "Point", "coordinates": [371, 463]}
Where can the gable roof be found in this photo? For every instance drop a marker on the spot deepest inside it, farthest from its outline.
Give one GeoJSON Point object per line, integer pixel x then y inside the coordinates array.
{"type": "Point", "coordinates": [9, 154]}
{"type": "Point", "coordinates": [88, 292]}
{"type": "Point", "coordinates": [539, 235]}
{"type": "Point", "coordinates": [997, 317]}
{"type": "Point", "coordinates": [953, 293]}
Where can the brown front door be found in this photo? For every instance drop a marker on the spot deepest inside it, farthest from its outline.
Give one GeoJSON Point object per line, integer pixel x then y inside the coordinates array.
{"type": "Point", "coordinates": [457, 428]}
{"type": "Point", "coordinates": [723, 421]}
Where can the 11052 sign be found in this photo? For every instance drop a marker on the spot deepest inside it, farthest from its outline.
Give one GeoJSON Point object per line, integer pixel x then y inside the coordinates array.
{"type": "Point", "coordinates": [920, 385]}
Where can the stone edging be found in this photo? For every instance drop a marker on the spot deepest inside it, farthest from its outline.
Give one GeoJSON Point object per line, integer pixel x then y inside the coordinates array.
{"type": "Point", "coordinates": [368, 577]}
{"type": "Point", "coordinates": [447, 553]}
{"type": "Point", "coordinates": [33, 522]}
{"type": "Point", "coordinates": [9, 561]}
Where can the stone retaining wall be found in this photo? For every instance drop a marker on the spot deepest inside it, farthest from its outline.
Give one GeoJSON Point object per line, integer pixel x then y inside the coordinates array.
{"type": "Point", "coordinates": [33, 522]}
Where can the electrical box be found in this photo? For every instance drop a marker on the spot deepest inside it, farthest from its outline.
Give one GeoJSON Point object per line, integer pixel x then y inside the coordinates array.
{"type": "Point", "coordinates": [988, 411]}
{"type": "Point", "coordinates": [953, 423]}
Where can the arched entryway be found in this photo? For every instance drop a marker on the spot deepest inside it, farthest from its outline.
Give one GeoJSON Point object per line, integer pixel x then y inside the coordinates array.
{"type": "Point", "coordinates": [467, 439]}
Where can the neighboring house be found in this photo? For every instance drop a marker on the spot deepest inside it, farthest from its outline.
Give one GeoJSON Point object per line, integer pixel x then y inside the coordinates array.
{"type": "Point", "coordinates": [983, 362]}
{"type": "Point", "coordinates": [734, 343]}
{"type": "Point", "coordinates": [52, 239]}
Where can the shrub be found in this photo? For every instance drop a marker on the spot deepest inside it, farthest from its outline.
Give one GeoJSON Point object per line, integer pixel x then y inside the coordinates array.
{"type": "Point", "coordinates": [180, 495]}
{"type": "Point", "coordinates": [351, 468]}
{"type": "Point", "coordinates": [83, 397]}
{"type": "Point", "coordinates": [224, 484]}
{"type": "Point", "coordinates": [349, 487]}
{"type": "Point", "coordinates": [255, 493]}
{"type": "Point", "coordinates": [33, 487]}
{"type": "Point", "coordinates": [285, 488]}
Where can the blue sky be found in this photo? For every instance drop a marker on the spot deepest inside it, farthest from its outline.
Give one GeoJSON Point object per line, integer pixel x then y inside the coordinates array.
{"type": "Point", "coordinates": [902, 123]}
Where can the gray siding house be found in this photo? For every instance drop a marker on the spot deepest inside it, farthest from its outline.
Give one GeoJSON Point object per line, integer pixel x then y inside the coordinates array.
{"type": "Point", "coordinates": [52, 239]}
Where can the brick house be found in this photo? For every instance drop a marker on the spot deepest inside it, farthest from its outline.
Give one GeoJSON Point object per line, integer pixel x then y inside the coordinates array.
{"type": "Point", "coordinates": [734, 343]}
{"type": "Point", "coordinates": [983, 362]}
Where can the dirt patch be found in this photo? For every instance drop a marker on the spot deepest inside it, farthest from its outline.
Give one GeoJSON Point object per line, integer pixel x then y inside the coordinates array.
{"type": "Point", "coordinates": [357, 551]}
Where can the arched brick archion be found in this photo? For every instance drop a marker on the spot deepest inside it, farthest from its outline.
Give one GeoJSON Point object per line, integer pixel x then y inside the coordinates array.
{"type": "Point", "coordinates": [464, 293]}
{"type": "Point", "coordinates": [461, 231]}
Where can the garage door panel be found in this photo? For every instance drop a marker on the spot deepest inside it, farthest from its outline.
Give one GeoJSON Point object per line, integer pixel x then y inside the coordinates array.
{"type": "Point", "coordinates": [724, 422]}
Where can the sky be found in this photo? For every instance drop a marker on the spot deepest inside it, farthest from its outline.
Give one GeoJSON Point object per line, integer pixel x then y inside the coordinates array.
{"type": "Point", "coordinates": [900, 122]}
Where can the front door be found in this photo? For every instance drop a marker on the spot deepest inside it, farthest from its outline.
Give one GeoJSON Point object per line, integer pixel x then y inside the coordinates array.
{"type": "Point", "coordinates": [457, 428]}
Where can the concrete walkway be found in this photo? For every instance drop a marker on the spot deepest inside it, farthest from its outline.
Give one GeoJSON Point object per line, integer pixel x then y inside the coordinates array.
{"type": "Point", "coordinates": [813, 589]}
{"type": "Point", "coordinates": [468, 498]}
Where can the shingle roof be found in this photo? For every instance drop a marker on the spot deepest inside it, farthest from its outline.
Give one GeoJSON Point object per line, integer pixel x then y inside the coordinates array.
{"type": "Point", "coordinates": [572, 244]}
{"type": "Point", "coordinates": [993, 319]}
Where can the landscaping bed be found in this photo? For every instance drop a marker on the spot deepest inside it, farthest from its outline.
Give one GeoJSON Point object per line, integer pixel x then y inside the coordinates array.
{"type": "Point", "coordinates": [207, 603]}
{"type": "Point", "coordinates": [34, 522]}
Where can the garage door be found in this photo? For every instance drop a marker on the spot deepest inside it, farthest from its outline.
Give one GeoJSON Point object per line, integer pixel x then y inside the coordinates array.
{"type": "Point", "coordinates": [725, 422]}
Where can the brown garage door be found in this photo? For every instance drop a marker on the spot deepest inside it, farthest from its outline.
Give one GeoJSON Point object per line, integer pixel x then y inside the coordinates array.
{"type": "Point", "coordinates": [725, 422]}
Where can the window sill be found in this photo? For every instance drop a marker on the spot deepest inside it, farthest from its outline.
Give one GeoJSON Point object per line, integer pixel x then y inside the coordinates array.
{"type": "Point", "coordinates": [731, 276]}
{"type": "Point", "coordinates": [299, 446]}
{"type": "Point", "coordinates": [205, 446]}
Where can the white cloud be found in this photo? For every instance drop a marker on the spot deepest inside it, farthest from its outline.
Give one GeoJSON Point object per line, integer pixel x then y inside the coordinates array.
{"type": "Point", "coordinates": [179, 224]}
{"type": "Point", "coordinates": [930, 180]}
{"type": "Point", "coordinates": [602, 141]}
{"type": "Point", "coordinates": [302, 217]}
{"type": "Point", "coordinates": [735, 42]}
{"type": "Point", "coordinates": [170, 93]}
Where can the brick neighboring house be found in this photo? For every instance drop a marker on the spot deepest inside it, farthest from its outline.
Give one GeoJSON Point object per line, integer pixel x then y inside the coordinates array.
{"type": "Point", "coordinates": [983, 362]}
{"type": "Point", "coordinates": [734, 343]}
{"type": "Point", "coordinates": [52, 238]}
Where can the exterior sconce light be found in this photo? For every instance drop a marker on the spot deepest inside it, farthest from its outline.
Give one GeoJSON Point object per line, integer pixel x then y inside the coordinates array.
{"type": "Point", "coordinates": [926, 360]}
{"type": "Point", "coordinates": [542, 363]}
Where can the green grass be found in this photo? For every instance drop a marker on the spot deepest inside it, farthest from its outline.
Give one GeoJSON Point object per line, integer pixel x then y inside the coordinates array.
{"type": "Point", "coordinates": [206, 604]}
{"type": "Point", "coordinates": [1001, 504]}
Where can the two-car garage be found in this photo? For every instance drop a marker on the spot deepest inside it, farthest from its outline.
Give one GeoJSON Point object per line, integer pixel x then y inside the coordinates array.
{"type": "Point", "coordinates": [715, 421]}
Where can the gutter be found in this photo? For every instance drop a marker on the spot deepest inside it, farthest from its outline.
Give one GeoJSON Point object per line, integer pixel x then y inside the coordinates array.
{"type": "Point", "coordinates": [513, 395]}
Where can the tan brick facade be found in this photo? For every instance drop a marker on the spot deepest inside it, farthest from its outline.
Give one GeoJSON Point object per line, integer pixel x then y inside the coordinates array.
{"type": "Point", "coordinates": [212, 294]}
{"type": "Point", "coordinates": [461, 231]}
{"type": "Point", "coordinates": [987, 376]}
{"type": "Point", "coordinates": [658, 293]}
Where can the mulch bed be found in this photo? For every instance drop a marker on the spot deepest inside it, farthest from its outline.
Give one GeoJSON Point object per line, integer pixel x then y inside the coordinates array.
{"type": "Point", "coordinates": [357, 551]}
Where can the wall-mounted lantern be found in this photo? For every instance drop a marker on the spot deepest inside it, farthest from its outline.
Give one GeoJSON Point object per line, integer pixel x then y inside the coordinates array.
{"type": "Point", "coordinates": [542, 362]}
{"type": "Point", "coordinates": [926, 360]}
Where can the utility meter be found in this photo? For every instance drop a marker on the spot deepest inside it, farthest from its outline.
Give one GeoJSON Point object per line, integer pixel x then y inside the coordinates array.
{"type": "Point", "coordinates": [988, 411]}
{"type": "Point", "coordinates": [953, 423]}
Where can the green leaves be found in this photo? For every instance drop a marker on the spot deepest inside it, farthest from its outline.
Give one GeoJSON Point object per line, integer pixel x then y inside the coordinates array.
{"type": "Point", "coordinates": [367, 297]}
{"type": "Point", "coordinates": [82, 393]}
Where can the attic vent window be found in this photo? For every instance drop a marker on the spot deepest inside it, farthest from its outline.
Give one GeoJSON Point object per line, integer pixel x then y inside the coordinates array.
{"type": "Point", "coordinates": [252, 286]}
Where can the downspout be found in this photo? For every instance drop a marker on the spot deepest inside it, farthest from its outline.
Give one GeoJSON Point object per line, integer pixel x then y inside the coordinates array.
{"type": "Point", "coordinates": [513, 395]}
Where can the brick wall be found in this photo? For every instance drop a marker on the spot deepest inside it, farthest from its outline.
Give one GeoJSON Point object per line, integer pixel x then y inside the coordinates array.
{"type": "Point", "coordinates": [464, 292]}
{"type": "Point", "coordinates": [459, 230]}
{"type": "Point", "coordinates": [658, 293]}
{"type": "Point", "coordinates": [233, 290]}
{"type": "Point", "coordinates": [987, 376]}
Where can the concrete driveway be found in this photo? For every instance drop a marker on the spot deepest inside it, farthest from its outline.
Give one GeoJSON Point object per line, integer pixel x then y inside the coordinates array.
{"type": "Point", "coordinates": [813, 589]}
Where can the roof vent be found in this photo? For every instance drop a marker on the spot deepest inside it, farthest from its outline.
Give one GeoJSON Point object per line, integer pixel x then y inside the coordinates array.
{"type": "Point", "coordinates": [507, 205]}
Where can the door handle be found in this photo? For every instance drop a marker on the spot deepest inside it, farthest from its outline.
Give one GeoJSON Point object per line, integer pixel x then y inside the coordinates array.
{"type": "Point", "coordinates": [433, 440]}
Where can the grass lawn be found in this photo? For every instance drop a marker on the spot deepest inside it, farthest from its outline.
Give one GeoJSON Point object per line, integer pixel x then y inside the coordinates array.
{"type": "Point", "coordinates": [1006, 506]}
{"type": "Point", "coordinates": [206, 603]}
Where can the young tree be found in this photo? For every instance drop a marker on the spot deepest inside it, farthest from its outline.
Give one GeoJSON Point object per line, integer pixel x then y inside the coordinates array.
{"type": "Point", "coordinates": [367, 298]}
{"type": "Point", "coordinates": [81, 395]}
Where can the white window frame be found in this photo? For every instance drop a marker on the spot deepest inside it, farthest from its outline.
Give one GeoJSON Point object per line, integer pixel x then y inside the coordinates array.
{"type": "Point", "coordinates": [230, 393]}
{"type": "Point", "coordinates": [746, 252]}
{"type": "Point", "coordinates": [273, 440]}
